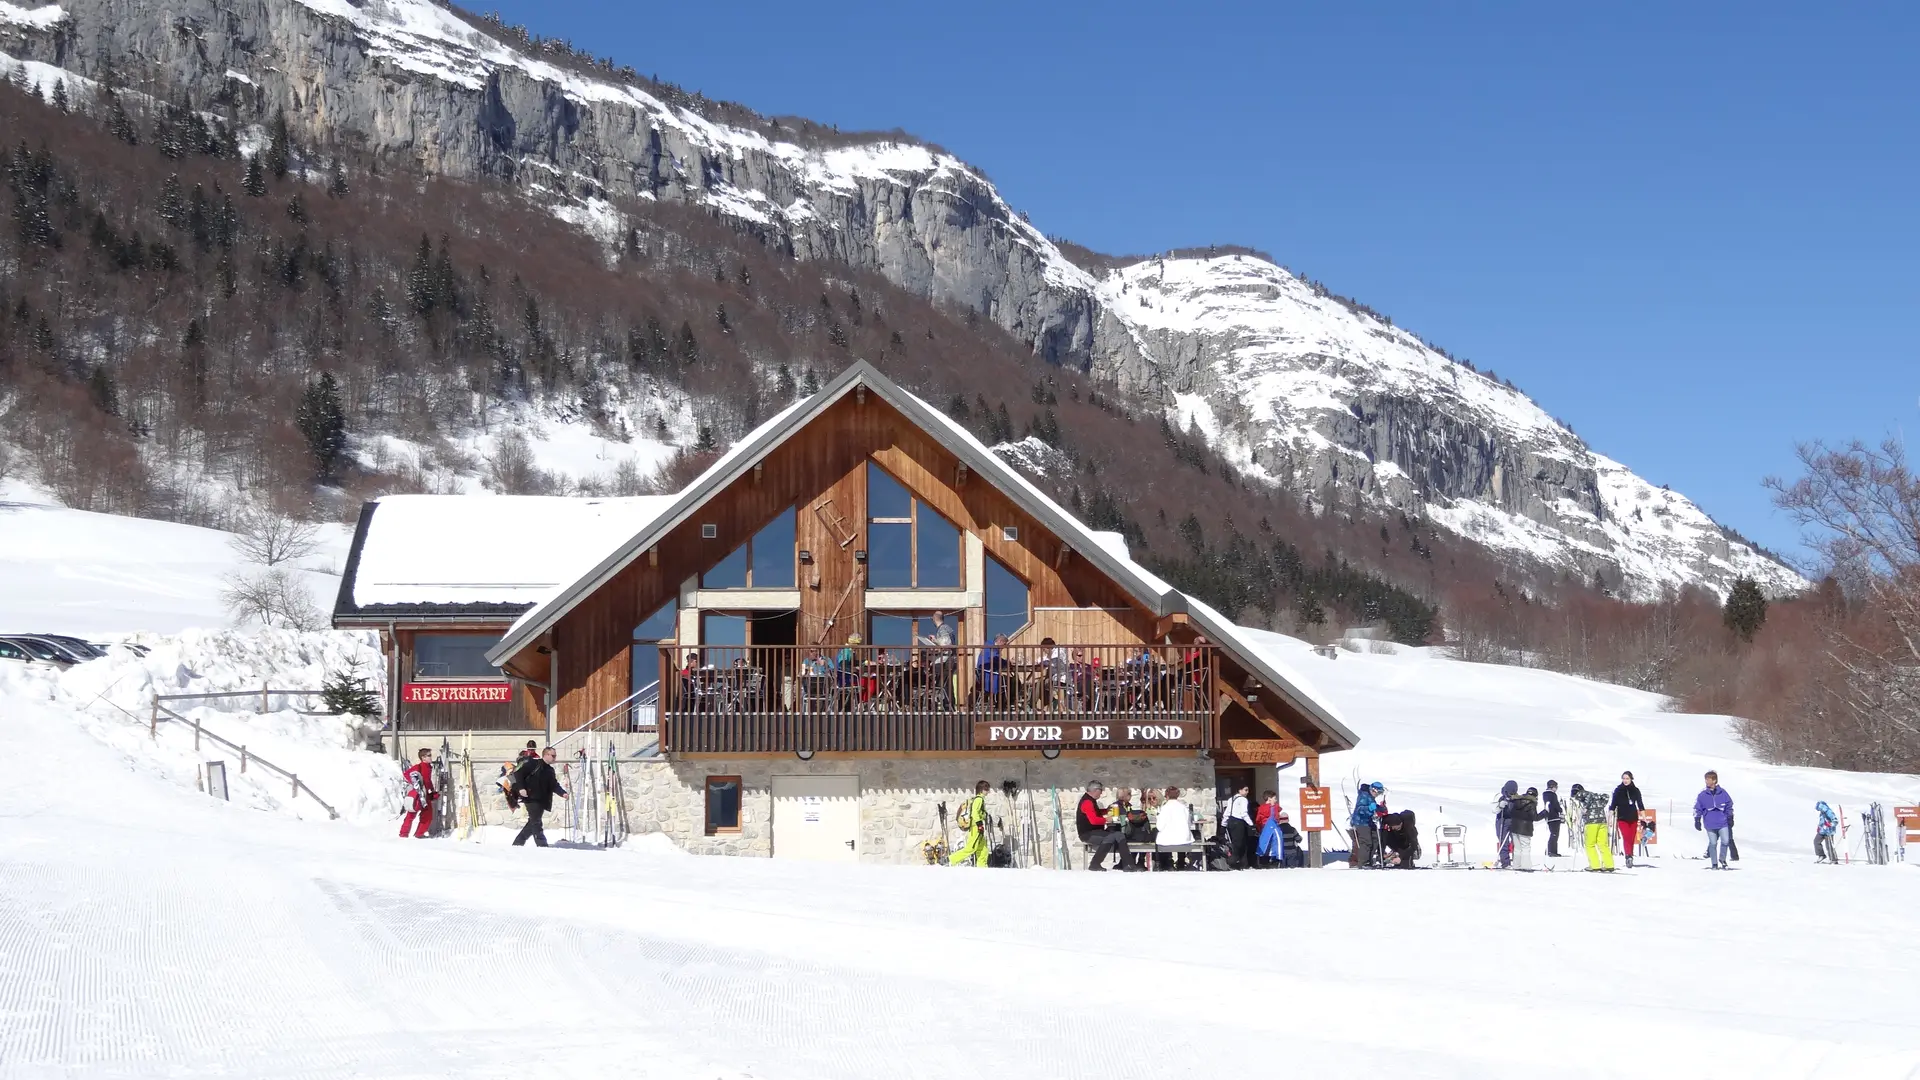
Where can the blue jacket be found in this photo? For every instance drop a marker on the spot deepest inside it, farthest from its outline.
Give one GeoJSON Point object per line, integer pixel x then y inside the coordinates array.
{"type": "Point", "coordinates": [1713, 808]}
{"type": "Point", "coordinates": [1364, 809]}
{"type": "Point", "coordinates": [1829, 823]}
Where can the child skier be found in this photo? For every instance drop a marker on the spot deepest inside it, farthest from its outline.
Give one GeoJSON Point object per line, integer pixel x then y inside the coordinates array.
{"type": "Point", "coordinates": [1365, 823]}
{"type": "Point", "coordinates": [420, 795]}
{"type": "Point", "coordinates": [1823, 834]}
{"type": "Point", "coordinates": [973, 818]}
{"type": "Point", "coordinates": [1590, 812]}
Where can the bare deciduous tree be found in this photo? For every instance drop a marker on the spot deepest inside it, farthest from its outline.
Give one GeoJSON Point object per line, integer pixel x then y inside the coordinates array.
{"type": "Point", "coordinates": [272, 597]}
{"type": "Point", "coordinates": [269, 538]}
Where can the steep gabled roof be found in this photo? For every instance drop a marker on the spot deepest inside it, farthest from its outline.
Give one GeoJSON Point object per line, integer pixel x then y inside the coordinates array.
{"type": "Point", "coordinates": [1105, 551]}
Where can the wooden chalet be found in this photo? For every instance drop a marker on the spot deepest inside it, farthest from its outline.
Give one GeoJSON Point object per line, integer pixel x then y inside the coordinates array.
{"type": "Point", "coordinates": [849, 618]}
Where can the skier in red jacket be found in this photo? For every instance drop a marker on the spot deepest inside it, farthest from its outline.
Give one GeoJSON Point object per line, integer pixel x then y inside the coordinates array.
{"type": "Point", "coordinates": [420, 795]}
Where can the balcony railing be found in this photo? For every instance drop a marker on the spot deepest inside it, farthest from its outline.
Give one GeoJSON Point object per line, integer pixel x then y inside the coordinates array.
{"type": "Point", "coordinates": [775, 698]}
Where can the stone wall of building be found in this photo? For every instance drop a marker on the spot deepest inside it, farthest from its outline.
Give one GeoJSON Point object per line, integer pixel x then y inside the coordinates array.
{"type": "Point", "coordinates": [899, 797]}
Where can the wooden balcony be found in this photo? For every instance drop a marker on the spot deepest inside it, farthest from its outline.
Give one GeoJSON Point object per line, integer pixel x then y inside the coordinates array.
{"type": "Point", "coordinates": [879, 699]}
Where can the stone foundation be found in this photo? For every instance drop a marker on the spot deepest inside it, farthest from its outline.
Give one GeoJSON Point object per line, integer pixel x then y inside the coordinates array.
{"type": "Point", "coordinates": [899, 797]}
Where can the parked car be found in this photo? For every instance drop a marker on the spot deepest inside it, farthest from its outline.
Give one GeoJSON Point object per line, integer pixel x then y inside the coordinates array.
{"type": "Point", "coordinates": [11, 653]}
{"type": "Point", "coordinates": [85, 649]}
{"type": "Point", "coordinates": [38, 650]}
{"type": "Point", "coordinates": [66, 652]}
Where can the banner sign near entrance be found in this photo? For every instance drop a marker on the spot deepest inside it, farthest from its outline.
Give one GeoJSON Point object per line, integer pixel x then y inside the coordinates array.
{"type": "Point", "coordinates": [488, 693]}
{"type": "Point", "coordinates": [1316, 809]}
{"type": "Point", "coordinates": [1012, 734]}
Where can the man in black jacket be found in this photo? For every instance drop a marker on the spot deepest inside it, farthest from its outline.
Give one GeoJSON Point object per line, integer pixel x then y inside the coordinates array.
{"type": "Point", "coordinates": [1551, 813]}
{"type": "Point", "coordinates": [537, 784]}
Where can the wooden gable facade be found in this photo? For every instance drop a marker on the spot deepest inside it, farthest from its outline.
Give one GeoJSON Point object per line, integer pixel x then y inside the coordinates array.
{"type": "Point", "coordinates": [589, 657]}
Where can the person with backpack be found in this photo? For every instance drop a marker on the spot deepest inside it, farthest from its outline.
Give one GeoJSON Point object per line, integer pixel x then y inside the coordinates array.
{"type": "Point", "coordinates": [1626, 805]}
{"type": "Point", "coordinates": [1713, 811]}
{"type": "Point", "coordinates": [1368, 809]}
{"type": "Point", "coordinates": [973, 821]}
{"type": "Point", "coordinates": [1553, 815]}
{"type": "Point", "coordinates": [1520, 826]}
{"type": "Point", "coordinates": [1267, 819]}
{"type": "Point", "coordinates": [1097, 833]}
{"type": "Point", "coordinates": [420, 795]}
{"type": "Point", "coordinates": [536, 783]}
{"type": "Point", "coordinates": [1590, 813]}
{"type": "Point", "coordinates": [1503, 822]}
{"type": "Point", "coordinates": [1822, 834]}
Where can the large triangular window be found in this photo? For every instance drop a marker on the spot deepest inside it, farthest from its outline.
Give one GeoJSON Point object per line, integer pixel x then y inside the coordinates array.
{"type": "Point", "coordinates": [764, 562]}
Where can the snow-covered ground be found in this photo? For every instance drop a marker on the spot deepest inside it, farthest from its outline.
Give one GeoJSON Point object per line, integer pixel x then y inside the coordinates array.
{"type": "Point", "coordinates": [65, 571]}
{"type": "Point", "coordinates": [151, 931]}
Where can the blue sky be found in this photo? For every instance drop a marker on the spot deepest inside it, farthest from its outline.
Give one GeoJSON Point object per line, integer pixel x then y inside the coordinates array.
{"type": "Point", "coordinates": [1691, 234]}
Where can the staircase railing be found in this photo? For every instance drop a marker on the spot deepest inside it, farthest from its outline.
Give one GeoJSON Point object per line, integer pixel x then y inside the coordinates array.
{"type": "Point", "coordinates": [647, 697]}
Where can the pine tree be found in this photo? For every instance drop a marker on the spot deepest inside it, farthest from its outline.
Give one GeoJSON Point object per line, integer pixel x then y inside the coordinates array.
{"type": "Point", "coordinates": [336, 181]}
{"type": "Point", "coordinates": [119, 123]}
{"type": "Point", "coordinates": [60, 100]}
{"type": "Point", "coordinates": [687, 346]}
{"type": "Point", "coordinates": [323, 422]}
{"type": "Point", "coordinates": [173, 205]}
{"type": "Point", "coordinates": [420, 282]}
{"type": "Point", "coordinates": [809, 383]}
{"type": "Point", "coordinates": [193, 357]}
{"type": "Point", "coordinates": [106, 395]}
{"type": "Point", "coordinates": [255, 182]}
{"type": "Point", "coordinates": [704, 442]}
{"type": "Point", "coordinates": [279, 152]}
{"type": "Point", "coordinates": [783, 384]}
{"type": "Point", "coordinates": [297, 210]}
{"type": "Point", "coordinates": [1746, 608]}
{"type": "Point", "coordinates": [345, 693]}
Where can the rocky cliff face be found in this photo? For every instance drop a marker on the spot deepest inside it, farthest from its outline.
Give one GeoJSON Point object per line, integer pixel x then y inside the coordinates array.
{"type": "Point", "coordinates": [1299, 388]}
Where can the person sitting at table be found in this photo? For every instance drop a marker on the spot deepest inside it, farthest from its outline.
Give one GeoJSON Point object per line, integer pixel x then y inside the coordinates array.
{"type": "Point", "coordinates": [1174, 828]}
{"type": "Point", "coordinates": [846, 674]}
{"type": "Point", "coordinates": [992, 665]}
{"type": "Point", "coordinates": [1085, 676]}
{"type": "Point", "coordinates": [1054, 670]}
{"type": "Point", "coordinates": [690, 680]}
{"type": "Point", "coordinates": [1134, 825]}
{"type": "Point", "coordinates": [1194, 675]}
{"type": "Point", "coordinates": [1100, 835]}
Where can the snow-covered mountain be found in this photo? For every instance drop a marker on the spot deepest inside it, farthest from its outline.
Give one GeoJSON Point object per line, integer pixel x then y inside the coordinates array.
{"type": "Point", "coordinates": [1302, 388]}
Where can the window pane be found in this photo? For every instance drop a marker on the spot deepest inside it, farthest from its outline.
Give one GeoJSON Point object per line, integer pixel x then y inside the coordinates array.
{"type": "Point", "coordinates": [890, 556]}
{"type": "Point", "coordinates": [885, 497]}
{"type": "Point", "coordinates": [1006, 600]}
{"type": "Point", "coordinates": [773, 554]}
{"type": "Point", "coordinates": [723, 803]}
{"type": "Point", "coordinates": [454, 656]}
{"type": "Point", "coordinates": [891, 630]}
{"type": "Point", "coordinates": [723, 630]}
{"type": "Point", "coordinates": [939, 548]}
{"type": "Point", "coordinates": [660, 625]}
{"type": "Point", "coordinates": [730, 574]}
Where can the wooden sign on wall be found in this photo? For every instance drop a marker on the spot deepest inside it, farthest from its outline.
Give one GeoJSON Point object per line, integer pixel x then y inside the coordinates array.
{"type": "Point", "coordinates": [487, 693]}
{"type": "Point", "coordinates": [1261, 751]}
{"type": "Point", "coordinates": [1025, 734]}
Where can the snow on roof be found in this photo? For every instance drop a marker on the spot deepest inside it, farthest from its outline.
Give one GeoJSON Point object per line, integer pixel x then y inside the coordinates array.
{"type": "Point", "coordinates": [1270, 649]}
{"type": "Point", "coordinates": [494, 549]}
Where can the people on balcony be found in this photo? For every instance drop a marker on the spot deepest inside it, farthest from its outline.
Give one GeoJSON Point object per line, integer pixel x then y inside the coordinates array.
{"type": "Point", "coordinates": [995, 683]}
{"type": "Point", "coordinates": [942, 635]}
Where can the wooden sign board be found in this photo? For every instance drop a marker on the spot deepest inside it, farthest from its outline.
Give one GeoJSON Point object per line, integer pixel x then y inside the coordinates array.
{"type": "Point", "coordinates": [1261, 751]}
{"type": "Point", "coordinates": [1316, 809]}
{"type": "Point", "coordinates": [1027, 734]}
{"type": "Point", "coordinates": [485, 693]}
{"type": "Point", "coordinates": [1907, 815]}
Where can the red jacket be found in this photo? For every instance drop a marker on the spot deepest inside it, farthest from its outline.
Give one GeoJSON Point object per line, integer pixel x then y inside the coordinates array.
{"type": "Point", "coordinates": [420, 782]}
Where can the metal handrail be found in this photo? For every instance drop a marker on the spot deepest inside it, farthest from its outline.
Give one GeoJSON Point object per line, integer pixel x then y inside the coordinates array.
{"type": "Point", "coordinates": [246, 756]}
{"type": "Point", "coordinates": [635, 698]}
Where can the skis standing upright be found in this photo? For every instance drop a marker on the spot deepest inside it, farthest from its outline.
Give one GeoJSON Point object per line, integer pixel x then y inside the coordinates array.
{"type": "Point", "coordinates": [444, 814]}
{"type": "Point", "coordinates": [473, 786]}
{"type": "Point", "coordinates": [1060, 860]}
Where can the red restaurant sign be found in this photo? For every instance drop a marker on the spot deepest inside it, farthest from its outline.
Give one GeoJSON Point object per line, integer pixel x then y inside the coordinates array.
{"type": "Point", "coordinates": [463, 693]}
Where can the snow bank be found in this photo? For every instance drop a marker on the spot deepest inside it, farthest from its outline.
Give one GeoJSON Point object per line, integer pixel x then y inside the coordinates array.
{"type": "Point", "coordinates": [110, 701]}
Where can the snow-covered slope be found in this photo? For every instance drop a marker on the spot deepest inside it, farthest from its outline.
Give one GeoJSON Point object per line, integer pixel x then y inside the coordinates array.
{"type": "Point", "coordinates": [155, 932]}
{"type": "Point", "coordinates": [66, 571]}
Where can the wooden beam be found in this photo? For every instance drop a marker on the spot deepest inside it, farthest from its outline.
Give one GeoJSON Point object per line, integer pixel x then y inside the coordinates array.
{"type": "Point", "coordinates": [1168, 622]}
{"type": "Point", "coordinates": [1232, 695]}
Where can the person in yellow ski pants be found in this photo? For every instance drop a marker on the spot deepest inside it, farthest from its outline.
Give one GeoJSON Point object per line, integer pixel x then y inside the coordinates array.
{"type": "Point", "coordinates": [1593, 811]}
{"type": "Point", "coordinates": [973, 818]}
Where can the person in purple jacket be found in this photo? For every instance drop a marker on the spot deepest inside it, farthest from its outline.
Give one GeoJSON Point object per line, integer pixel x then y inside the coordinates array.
{"type": "Point", "coordinates": [1713, 811]}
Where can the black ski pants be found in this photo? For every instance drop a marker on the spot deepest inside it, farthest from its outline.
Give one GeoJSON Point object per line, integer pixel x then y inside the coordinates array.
{"type": "Point", "coordinates": [1099, 843]}
{"type": "Point", "coordinates": [1239, 844]}
{"type": "Point", "coordinates": [532, 829]}
{"type": "Point", "coordinates": [1553, 838]}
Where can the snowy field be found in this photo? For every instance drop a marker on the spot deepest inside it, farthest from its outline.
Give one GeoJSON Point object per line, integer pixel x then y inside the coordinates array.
{"type": "Point", "coordinates": [65, 571]}
{"type": "Point", "coordinates": [149, 931]}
